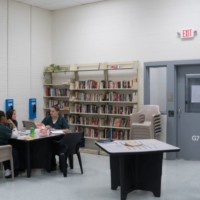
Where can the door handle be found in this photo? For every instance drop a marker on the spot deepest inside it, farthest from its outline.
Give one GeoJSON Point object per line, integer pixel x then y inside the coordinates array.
{"type": "Point", "coordinates": [179, 112]}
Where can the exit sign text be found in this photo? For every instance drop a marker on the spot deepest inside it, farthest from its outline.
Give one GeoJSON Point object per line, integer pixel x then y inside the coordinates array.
{"type": "Point", "coordinates": [187, 33]}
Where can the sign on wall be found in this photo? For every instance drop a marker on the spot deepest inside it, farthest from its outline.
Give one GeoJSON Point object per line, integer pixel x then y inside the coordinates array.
{"type": "Point", "coordinates": [187, 33]}
{"type": "Point", "coordinates": [32, 108]}
{"type": "Point", "coordinates": [9, 104]}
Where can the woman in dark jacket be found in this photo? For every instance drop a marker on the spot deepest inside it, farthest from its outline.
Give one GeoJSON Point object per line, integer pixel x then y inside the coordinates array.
{"type": "Point", "coordinates": [7, 133]}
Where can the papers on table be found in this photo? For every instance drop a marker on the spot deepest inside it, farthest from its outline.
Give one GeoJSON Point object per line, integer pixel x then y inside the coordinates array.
{"type": "Point", "coordinates": [132, 143]}
{"type": "Point", "coordinates": [57, 132]}
{"type": "Point", "coordinates": [145, 145]}
{"type": "Point", "coordinates": [24, 132]}
{"type": "Point", "coordinates": [25, 135]}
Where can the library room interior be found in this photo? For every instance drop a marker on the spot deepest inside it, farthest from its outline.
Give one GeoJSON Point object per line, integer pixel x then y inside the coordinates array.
{"type": "Point", "coordinates": [100, 99]}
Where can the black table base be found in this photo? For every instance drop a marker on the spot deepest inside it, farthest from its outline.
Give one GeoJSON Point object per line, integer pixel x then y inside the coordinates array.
{"type": "Point", "coordinates": [136, 172]}
{"type": "Point", "coordinates": [35, 153]}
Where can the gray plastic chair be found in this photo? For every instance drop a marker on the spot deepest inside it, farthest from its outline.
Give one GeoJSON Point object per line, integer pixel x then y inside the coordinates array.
{"type": "Point", "coordinates": [6, 154]}
{"type": "Point", "coordinates": [146, 123]}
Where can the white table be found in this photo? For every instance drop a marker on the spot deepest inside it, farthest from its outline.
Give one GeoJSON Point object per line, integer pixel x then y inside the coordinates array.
{"type": "Point", "coordinates": [138, 167]}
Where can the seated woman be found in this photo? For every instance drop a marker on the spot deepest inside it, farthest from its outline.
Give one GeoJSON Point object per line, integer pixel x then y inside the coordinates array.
{"type": "Point", "coordinates": [55, 121]}
{"type": "Point", "coordinates": [5, 134]}
{"type": "Point", "coordinates": [11, 118]}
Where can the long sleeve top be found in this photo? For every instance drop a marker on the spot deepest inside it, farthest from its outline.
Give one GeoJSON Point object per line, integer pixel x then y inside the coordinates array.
{"type": "Point", "coordinates": [6, 133]}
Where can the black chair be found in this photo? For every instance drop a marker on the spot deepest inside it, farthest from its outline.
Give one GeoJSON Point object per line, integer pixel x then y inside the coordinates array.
{"type": "Point", "coordinates": [66, 148]}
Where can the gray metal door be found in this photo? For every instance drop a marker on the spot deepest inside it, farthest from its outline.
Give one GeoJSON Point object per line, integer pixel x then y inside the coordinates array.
{"type": "Point", "coordinates": [188, 112]}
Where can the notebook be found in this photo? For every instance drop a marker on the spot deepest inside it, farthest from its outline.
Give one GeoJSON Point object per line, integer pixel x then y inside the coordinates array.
{"type": "Point", "coordinates": [28, 124]}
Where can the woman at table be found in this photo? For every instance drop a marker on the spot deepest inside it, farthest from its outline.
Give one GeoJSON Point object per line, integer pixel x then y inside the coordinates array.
{"type": "Point", "coordinates": [5, 134]}
{"type": "Point", "coordinates": [11, 118]}
{"type": "Point", "coordinates": [55, 121]}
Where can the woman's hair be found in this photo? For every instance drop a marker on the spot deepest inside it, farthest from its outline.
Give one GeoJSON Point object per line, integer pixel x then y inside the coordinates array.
{"type": "Point", "coordinates": [9, 113]}
{"type": "Point", "coordinates": [2, 114]}
{"type": "Point", "coordinates": [56, 107]}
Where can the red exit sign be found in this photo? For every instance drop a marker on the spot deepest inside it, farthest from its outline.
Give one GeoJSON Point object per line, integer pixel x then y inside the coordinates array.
{"type": "Point", "coordinates": [187, 33]}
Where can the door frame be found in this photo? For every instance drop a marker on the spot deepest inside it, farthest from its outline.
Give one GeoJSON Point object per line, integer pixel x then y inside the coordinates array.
{"type": "Point", "coordinates": [171, 107]}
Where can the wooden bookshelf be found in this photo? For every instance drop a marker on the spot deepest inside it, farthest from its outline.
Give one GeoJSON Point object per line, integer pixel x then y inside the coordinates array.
{"type": "Point", "coordinates": [101, 106]}
{"type": "Point", "coordinates": [96, 98]}
{"type": "Point", "coordinates": [56, 84]}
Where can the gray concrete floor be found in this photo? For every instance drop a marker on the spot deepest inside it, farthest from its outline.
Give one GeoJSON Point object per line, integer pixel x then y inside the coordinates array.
{"type": "Point", "coordinates": [180, 181]}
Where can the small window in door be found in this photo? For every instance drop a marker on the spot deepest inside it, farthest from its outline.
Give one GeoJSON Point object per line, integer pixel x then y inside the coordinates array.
{"type": "Point", "coordinates": [192, 93]}
{"type": "Point", "coordinates": [158, 82]}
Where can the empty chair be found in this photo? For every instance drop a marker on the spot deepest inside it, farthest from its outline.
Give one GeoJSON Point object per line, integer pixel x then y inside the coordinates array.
{"type": "Point", "coordinates": [66, 148]}
{"type": "Point", "coordinates": [146, 123]}
{"type": "Point", "coordinates": [6, 154]}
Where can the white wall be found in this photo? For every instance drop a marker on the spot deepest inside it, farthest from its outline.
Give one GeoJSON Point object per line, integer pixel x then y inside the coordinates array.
{"type": "Point", "coordinates": [3, 52]}
{"type": "Point", "coordinates": [41, 54]}
{"type": "Point", "coordinates": [119, 30]}
{"type": "Point", "coordinates": [25, 37]}
{"type": "Point", "coordinates": [124, 30]}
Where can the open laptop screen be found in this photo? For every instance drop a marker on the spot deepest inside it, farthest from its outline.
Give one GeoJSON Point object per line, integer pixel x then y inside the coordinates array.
{"type": "Point", "coordinates": [28, 124]}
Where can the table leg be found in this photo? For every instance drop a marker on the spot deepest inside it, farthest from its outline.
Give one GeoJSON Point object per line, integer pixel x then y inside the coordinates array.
{"type": "Point", "coordinates": [124, 179]}
{"type": "Point", "coordinates": [141, 172]}
{"type": "Point", "coordinates": [114, 172]}
{"type": "Point", "coordinates": [150, 173]}
{"type": "Point", "coordinates": [28, 160]}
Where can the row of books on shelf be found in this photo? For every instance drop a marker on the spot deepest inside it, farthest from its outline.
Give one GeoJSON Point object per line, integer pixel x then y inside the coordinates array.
{"type": "Point", "coordinates": [76, 119]}
{"type": "Point", "coordinates": [123, 84]}
{"type": "Point", "coordinates": [112, 109]}
{"type": "Point", "coordinates": [57, 92]}
{"type": "Point", "coordinates": [84, 108]}
{"type": "Point", "coordinates": [60, 103]}
{"type": "Point", "coordinates": [92, 108]}
{"type": "Point", "coordinates": [110, 96]}
{"type": "Point", "coordinates": [114, 122]}
{"type": "Point", "coordinates": [101, 109]}
{"type": "Point", "coordinates": [104, 84]}
{"type": "Point", "coordinates": [115, 96]}
{"type": "Point", "coordinates": [115, 134]}
{"type": "Point", "coordinates": [96, 121]}
{"type": "Point", "coordinates": [107, 133]}
{"type": "Point", "coordinates": [91, 132]}
{"type": "Point", "coordinates": [88, 84]}
{"type": "Point", "coordinates": [82, 96]}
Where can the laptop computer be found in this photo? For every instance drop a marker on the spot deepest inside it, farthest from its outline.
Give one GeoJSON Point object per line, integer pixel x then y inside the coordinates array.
{"type": "Point", "coordinates": [28, 124]}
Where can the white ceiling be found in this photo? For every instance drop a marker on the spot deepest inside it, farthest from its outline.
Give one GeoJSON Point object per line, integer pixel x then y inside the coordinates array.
{"type": "Point", "coordinates": [57, 4]}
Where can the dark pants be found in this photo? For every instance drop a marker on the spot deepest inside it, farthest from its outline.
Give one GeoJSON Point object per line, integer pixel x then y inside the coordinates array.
{"type": "Point", "coordinates": [6, 164]}
{"type": "Point", "coordinates": [57, 149]}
